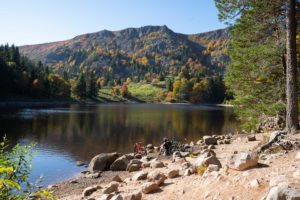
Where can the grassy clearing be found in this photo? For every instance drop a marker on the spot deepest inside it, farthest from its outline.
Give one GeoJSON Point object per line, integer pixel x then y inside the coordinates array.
{"type": "Point", "coordinates": [147, 92]}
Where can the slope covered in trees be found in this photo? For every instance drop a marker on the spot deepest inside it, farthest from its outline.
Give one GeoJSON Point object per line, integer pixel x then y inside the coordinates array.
{"type": "Point", "coordinates": [183, 65]}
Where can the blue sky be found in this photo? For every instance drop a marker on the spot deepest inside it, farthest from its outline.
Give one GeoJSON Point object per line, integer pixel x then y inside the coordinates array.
{"type": "Point", "coordinates": [38, 21]}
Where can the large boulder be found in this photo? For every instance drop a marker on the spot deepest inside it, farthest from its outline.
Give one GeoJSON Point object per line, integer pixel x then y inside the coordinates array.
{"type": "Point", "coordinates": [243, 161]}
{"type": "Point", "coordinates": [121, 163]}
{"type": "Point", "coordinates": [149, 187]}
{"type": "Point", "coordinates": [283, 192]}
{"type": "Point", "coordinates": [206, 159]}
{"type": "Point", "coordinates": [209, 140]}
{"type": "Point", "coordinates": [102, 161]}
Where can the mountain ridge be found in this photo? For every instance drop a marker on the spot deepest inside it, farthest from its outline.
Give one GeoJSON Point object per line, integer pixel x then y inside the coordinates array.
{"type": "Point", "coordinates": [155, 46]}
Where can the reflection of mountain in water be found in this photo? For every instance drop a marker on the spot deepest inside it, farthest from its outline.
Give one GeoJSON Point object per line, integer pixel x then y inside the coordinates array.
{"type": "Point", "coordinates": [86, 131]}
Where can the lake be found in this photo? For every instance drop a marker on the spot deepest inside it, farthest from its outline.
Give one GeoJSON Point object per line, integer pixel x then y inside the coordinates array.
{"type": "Point", "coordinates": [68, 134]}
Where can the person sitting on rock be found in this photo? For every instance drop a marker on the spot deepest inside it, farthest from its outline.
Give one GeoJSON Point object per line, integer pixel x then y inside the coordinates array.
{"type": "Point", "coordinates": [165, 147]}
{"type": "Point", "coordinates": [138, 148]}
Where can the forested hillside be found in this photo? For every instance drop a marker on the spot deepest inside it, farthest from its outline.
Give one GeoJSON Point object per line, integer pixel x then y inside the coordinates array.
{"type": "Point", "coordinates": [21, 77]}
{"type": "Point", "coordinates": [135, 52]}
{"type": "Point", "coordinates": [186, 67]}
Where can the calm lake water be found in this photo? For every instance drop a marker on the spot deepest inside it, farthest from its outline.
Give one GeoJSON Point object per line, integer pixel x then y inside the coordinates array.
{"type": "Point", "coordinates": [66, 135]}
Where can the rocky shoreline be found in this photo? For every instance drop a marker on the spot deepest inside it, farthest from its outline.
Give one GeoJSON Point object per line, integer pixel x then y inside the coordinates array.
{"type": "Point", "coordinates": [245, 166]}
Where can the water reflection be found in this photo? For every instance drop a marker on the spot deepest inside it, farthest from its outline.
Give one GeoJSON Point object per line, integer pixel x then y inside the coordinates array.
{"type": "Point", "coordinates": [80, 132]}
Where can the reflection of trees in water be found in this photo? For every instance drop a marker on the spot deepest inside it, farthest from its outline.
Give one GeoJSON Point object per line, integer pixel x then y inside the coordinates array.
{"type": "Point", "coordinates": [116, 128]}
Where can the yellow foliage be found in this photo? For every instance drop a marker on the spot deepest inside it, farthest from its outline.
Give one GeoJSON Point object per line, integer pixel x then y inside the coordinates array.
{"type": "Point", "coordinates": [201, 169]}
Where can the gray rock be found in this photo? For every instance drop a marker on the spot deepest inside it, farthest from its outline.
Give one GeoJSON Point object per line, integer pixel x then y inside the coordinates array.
{"type": "Point", "coordinates": [93, 175]}
{"type": "Point", "coordinates": [188, 172]}
{"type": "Point", "coordinates": [89, 190]}
{"type": "Point", "coordinates": [137, 156]}
{"type": "Point", "coordinates": [254, 183]}
{"type": "Point", "coordinates": [149, 187]}
{"type": "Point", "coordinates": [173, 173]}
{"type": "Point", "coordinates": [79, 163]}
{"type": "Point", "coordinates": [210, 147]}
{"type": "Point", "coordinates": [209, 140]}
{"type": "Point", "coordinates": [102, 161]}
{"type": "Point", "coordinates": [117, 179]}
{"type": "Point", "coordinates": [251, 138]}
{"type": "Point", "coordinates": [133, 196]}
{"type": "Point", "coordinates": [243, 161]}
{"type": "Point", "coordinates": [150, 146]}
{"type": "Point", "coordinates": [212, 168]}
{"type": "Point", "coordinates": [157, 164]}
{"type": "Point", "coordinates": [134, 165]}
{"type": "Point", "coordinates": [157, 177]}
{"type": "Point", "coordinates": [140, 176]}
{"type": "Point", "coordinates": [283, 192]}
{"type": "Point", "coordinates": [274, 135]}
{"type": "Point", "coordinates": [206, 159]}
{"type": "Point", "coordinates": [121, 163]}
{"type": "Point", "coordinates": [112, 187]}
{"type": "Point", "coordinates": [227, 141]}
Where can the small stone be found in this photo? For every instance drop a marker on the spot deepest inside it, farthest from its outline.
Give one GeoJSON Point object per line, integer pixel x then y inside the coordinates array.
{"type": "Point", "coordinates": [212, 168]}
{"type": "Point", "coordinates": [74, 181]}
{"type": "Point", "coordinates": [211, 147]}
{"type": "Point", "coordinates": [157, 177]}
{"type": "Point", "coordinates": [117, 179]}
{"type": "Point", "coordinates": [251, 138]}
{"type": "Point", "coordinates": [112, 187]}
{"type": "Point", "coordinates": [226, 141]}
{"type": "Point", "coordinates": [133, 196]}
{"type": "Point", "coordinates": [209, 140]}
{"type": "Point", "coordinates": [149, 187]}
{"type": "Point", "coordinates": [254, 183]}
{"type": "Point", "coordinates": [137, 156]}
{"type": "Point", "coordinates": [93, 175]}
{"type": "Point", "coordinates": [150, 146]}
{"type": "Point", "coordinates": [173, 173]}
{"type": "Point", "coordinates": [133, 167]}
{"type": "Point", "coordinates": [298, 155]}
{"type": "Point", "coordinates": [79, 163]}
{"type": "Point", "coordinates": [188, 172]}
{"type": "Point", "coordinates": [140, 176]}
{"type": "Point", "coordinates": [157, 164]}
{"type": "Point", "coordinates": [89, 190]}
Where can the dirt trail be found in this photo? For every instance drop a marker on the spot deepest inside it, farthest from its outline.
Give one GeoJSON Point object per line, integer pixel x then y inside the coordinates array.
{"type": "Point", "coordinates": [224, 184]}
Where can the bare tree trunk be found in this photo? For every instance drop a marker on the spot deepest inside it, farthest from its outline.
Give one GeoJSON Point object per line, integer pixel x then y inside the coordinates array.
{"type": "Point", "coordinates": [292, 123]}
